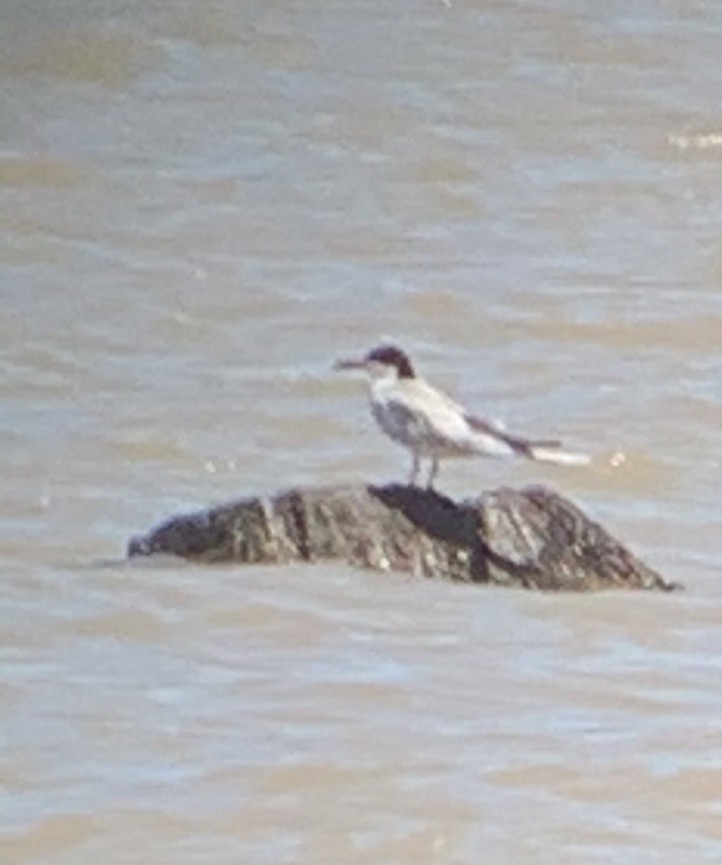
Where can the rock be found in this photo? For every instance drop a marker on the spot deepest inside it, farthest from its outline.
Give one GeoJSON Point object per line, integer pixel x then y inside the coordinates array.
{"type": "Point", "coordinates": [531, 537]}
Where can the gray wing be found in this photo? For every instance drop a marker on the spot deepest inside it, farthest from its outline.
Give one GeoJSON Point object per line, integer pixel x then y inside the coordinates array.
{"type": "Point", "coordinates": [427, 421]}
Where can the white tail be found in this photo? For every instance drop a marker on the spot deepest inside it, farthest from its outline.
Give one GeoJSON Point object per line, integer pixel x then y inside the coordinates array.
{"type": "Point", "coordinates": [559, 456]}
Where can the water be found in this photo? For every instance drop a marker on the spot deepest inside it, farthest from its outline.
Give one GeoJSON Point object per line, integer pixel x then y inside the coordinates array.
{"type": "Point", "coordinates": [203, 205]}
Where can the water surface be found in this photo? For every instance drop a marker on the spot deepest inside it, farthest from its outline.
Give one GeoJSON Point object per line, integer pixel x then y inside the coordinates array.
{"type": "Point", "coordinates": [202, 207]}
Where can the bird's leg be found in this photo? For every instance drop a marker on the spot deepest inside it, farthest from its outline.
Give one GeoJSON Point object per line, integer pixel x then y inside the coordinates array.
{"type": "Point", "coordinates": [415, 466]}
{"type": "Point", "coordinates": [434, 471]}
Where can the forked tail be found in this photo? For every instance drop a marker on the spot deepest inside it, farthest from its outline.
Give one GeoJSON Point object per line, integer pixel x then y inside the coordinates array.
{"type": "Point", "coordinates": [543, 453]}
{"type": "Point", "coordinates": [547, 451]}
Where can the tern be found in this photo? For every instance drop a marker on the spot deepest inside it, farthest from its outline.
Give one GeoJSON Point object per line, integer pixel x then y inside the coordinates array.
{"type": "Point", "coordinates": [431, 425]}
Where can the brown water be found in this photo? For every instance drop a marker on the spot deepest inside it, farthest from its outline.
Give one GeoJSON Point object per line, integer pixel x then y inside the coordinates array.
{"type": "Point", "coordinates": [204, 204]}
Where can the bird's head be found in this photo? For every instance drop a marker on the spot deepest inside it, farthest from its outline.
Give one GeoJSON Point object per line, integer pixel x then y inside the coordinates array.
{"type": "Point", "coordinates": [384, 361]}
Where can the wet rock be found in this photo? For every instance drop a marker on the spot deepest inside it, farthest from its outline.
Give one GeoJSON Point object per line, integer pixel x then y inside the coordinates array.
{"type": "Point", "coordinates": [531, 537]}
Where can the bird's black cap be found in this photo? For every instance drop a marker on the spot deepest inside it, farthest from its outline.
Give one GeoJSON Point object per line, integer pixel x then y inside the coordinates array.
{"type": "Point", "coordinates": [392, 356]}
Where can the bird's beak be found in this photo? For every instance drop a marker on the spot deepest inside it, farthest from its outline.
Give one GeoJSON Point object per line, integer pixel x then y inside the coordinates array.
{"type": "Point", "coordinates": [349, 363]}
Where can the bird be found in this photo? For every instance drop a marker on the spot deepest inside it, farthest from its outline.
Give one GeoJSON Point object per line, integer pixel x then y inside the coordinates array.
{"type": "Point", "coordinates": [431, 425]}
